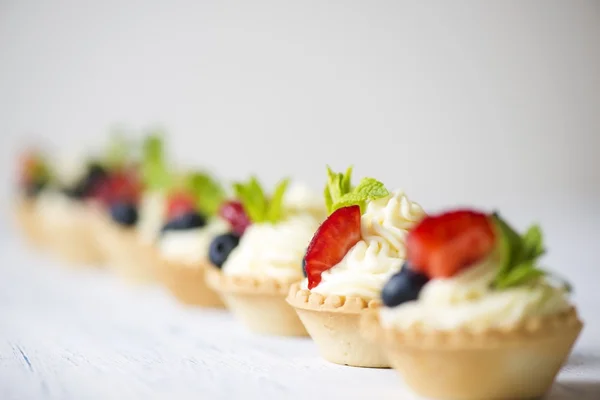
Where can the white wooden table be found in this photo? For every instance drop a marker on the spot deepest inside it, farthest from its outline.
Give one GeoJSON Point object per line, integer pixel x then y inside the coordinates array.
{"type": "Point", "coordinates": [83, 334]}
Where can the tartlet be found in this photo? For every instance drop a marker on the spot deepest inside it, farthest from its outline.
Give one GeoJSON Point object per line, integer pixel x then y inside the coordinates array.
{"type": "Point", "coordinates": [184, 241]}
{"type": "Point", "coordinates": [130, 210]}
{"type": "Point", "coordinates": [258, 303]}
{"type": "Point", "coordinates": [332, 322]}
{"type": "Point", "coordinates": [255, 276]}
{"type": "Point", "coordinates": [33, 178]}
{"type": "Point", "coordinates": [471, 308]}
{"type": "Point", "coordinates": [347, 262]}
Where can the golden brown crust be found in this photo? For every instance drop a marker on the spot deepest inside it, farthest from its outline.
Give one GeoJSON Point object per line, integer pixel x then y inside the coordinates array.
{"type": "Point", "coordinates": [187, 284]}
{"type": "Point", "coordinates": [307, 300]}
{"type": "Point", "coordinates": [519, 362]}
{"type": "Point", "coordinates": [246, 284]}
{"type": "Point", "coordinates": [258, 303]}
{"type": "Point", "coordinates": [416, 336]}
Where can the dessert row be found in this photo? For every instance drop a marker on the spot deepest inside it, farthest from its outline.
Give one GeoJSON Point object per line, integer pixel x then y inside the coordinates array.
{"type": "Point", "coordinates": [374, 280]}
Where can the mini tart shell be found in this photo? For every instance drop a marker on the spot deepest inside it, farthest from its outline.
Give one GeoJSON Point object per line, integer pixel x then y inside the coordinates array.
{"type": "Point", "coordinates": [72, 238]}
{"type": "Point", "coordinates": [516, 362]}
{"type": "Point", "coordinates": [333, 322]}
{"type": "Point", "coordinates": [26, 219]}
{"type": "Point", "coordinates": [258, 303]}
{"type": "Point", "coordinates": [188, 283]}
{"type": "Point", "coordinates": [123, 252]}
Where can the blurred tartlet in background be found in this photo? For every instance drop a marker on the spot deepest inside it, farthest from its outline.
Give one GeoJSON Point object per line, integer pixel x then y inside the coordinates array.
{"type": "Point", "coordinates": [254, 272]}
{"type": "Point", "coordinates": [191, 222]}
{"type": "Point", "coordinates": [33, 177]}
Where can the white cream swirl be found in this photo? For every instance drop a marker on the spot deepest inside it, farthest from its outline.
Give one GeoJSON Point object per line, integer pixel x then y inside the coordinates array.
{"type": "Point", "coordinates": [273, 250]}
{"type": "Point", "coordinates": [300, 198]}
{"type": "Point", "coordinates": [467, 300]}
{"type": "Point", "coordinates": [381, 252]}
{"type": "Point", "coordinates": [54, 208]}
{"type": "Point", "coordinates": [69, 169]}
{"type": "Point", "coordinates": [151, 216]}
{"type": "Point", "coordinates": [190, 247]}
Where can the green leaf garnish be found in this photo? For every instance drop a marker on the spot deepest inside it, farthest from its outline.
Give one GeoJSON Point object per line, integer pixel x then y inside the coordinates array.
{"type": "Point", "coordinates": [257, 205]}
{"type": "Point", "coordinates": [207, 191]}
{"type": "Point", "coordinates": [155, 173]}
{"type": "Point", "coordinates": [519, 255]}
{"type": "Point", "coordinates": [119, 151]}
{"type": "Point", "coordinates": [340, 193]}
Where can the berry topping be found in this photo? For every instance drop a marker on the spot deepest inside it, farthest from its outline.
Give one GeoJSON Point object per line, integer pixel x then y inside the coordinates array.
{"type": "Point", "coordinates": [221, 247]}
{"type": "Point", "coordinates": [94, 178]}
{"type": "Point", "coordinates": [33, 174]}
{"type": "Point", "coordinates": [190, 220]}
{"type": "Point", "coordinates": [180, 203]}
{"type": "Point", "coordinates": [234, 213]}
{"type": "Point", "coordinates": [440, 246]}
{"type": "Point", "coordinates": [124, 213]}
{"type": "Point", "coordinates": [334, 238]}
{"type": "Point", "coordinates": [120, 186]}
{"type": "Point", "coordinates": [403, 286]}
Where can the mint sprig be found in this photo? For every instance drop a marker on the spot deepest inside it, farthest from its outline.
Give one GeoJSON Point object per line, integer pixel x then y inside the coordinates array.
{"type": "Point", "coordinates": [155, 173]}
{"type": "Point", "coordinates": [259, 207]}
{"type": "Point", "coordinates": [339, 192]}
{"type": "Point", "coordinates": [207, 191]}
{"type": "Point", "coordinates": [119, 150]}
{"type": "Point", "coordinates": [519, 255]}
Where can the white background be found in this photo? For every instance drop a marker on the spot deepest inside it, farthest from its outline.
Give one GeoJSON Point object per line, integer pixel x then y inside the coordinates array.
{"type": "Point", "coordinates": [493, 104]}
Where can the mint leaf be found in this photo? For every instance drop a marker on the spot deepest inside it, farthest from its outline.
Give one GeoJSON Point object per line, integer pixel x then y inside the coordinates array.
{"type": "Point", "coordinates": [368, 189]}
{"type": "Point", "coordinates": [338, 185]}
{"type": "Point", "coordinates": [275, 209]}
{"type": "Point", "coordinates": [257, 205]}
{"type": "Point", "coordinates": [518, 255]}
{"type": "Point", "coordinates": [520, 275]}
{"type": "Point", "coordinates": [207, 191]}
{"type": "Point", "coordinates": [371, 189]}
{"type": "Point", "coordinates": [118, 151]}
{"type": "Point", "coordinates": [533, 245]}
{"type": "Point", "coordinates": [155, 174]}
{"type": "Point", "coordinates": [346, 181]}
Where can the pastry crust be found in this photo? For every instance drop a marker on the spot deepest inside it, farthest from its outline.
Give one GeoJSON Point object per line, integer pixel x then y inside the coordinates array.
{"type": "Point", "coordinates": [333, 322]}
{"type": "Point", "coordinates": [73, 238]}
{"type": "Point", "coordinates": [124, 253]}
{"type": "Point", "coordinates": [188, 283]}
{"type": "Point", "coordinates": [519, 362]}
{"type": "Point", "coordinates": [27, 221]}
{"type": "Point", "coordinates": [259, 303]}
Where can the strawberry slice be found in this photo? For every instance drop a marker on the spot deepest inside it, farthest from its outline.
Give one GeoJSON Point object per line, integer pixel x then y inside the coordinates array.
{"type": "Point", "coordinates": [443, 245]}
{"type": "Point", "coordinates": [234, 213]}
{"type": "Point", "coordinates": [334, 238]}
{"type": "Point", "coordinates": [117, 187]}
{"type": "Point", "coordinates": [179, 203]}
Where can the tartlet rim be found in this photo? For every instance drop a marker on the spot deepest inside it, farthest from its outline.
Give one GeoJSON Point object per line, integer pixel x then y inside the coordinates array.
{"type": "Point", "coordinates": [531, 328]}
{"type": "Point", "coordinates": [308, 300]}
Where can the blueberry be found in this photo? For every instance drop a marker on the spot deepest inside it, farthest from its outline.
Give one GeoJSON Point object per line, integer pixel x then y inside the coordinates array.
{"type": "Point", "coordinates": [94, 174]}
{"type": "Point", "coordinates": [403, 286]}
{"type": "Point", "coordinates": [221, 247]}
{"type": "Point", "coordinates": [304, 266]}
{"type": "Point", "coordinates": [185, 221]}
{"type": "Point", "coordinates": [124, 213]}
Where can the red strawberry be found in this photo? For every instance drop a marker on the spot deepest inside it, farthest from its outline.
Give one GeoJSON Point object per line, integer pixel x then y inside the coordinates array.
{"type": "Point", "coordinates": [29, 165]}
{"type": "Point", "coordinates": [119, 186]}
{"type": "Point", "coordinates": [441, 246]}
{"type": "Point", "coordinates": [334, 238]}
{"type": "Point", "coordinates": [179, 203]}
{"type": "Point", "coordinates": [234, 213]}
